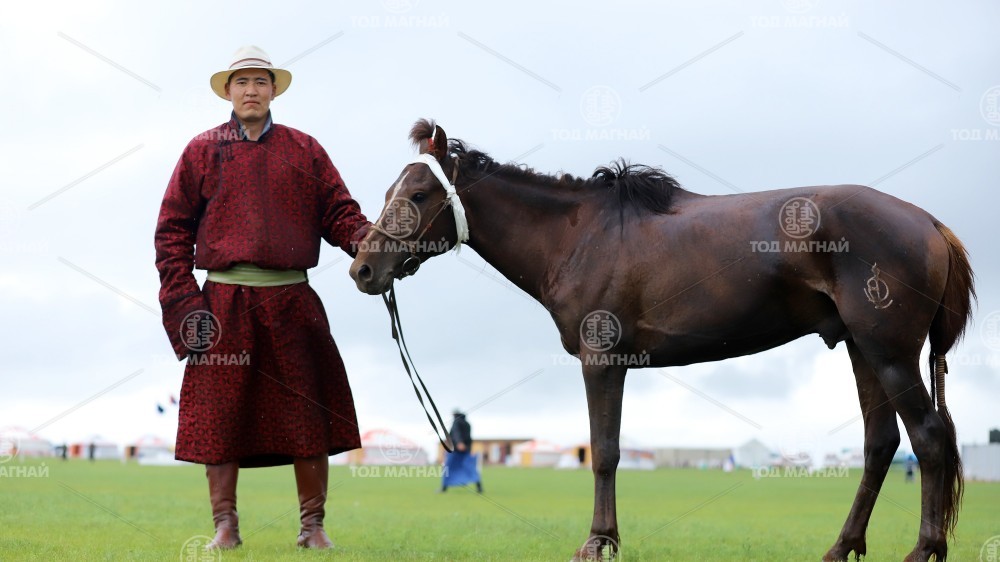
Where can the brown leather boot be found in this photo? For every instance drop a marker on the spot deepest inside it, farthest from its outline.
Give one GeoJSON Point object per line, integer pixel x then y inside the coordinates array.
{"type": "Point", "coordinates": [311, 476]}
{"type": "Point", "coordinates": [222, 491]}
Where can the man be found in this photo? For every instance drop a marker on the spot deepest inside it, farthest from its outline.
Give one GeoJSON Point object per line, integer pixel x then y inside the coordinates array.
{"type": "Point", "coordinates": [264, 383]}
{"type": "Point", "coordinates": [461, 432]}
{"type": "Point", "coordinates": [460, 465]}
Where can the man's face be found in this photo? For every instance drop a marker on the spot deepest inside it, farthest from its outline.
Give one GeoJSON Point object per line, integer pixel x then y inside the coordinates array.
{"type": "Point", "coordinates": [251, 91]}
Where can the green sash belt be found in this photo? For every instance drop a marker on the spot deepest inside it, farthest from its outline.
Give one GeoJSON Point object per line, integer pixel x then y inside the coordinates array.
{"type": "Point", "coordinates": [252, 276]}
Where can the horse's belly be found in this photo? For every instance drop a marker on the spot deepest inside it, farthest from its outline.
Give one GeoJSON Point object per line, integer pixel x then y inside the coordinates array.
{"type": "Point", "coordinates": [737, 336]}
{"type": "Point", "coordinates": [685, 350]}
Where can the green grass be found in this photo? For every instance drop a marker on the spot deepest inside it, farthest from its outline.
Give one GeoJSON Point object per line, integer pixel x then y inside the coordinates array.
{"type": "Point", "coordinates": [110, 511]}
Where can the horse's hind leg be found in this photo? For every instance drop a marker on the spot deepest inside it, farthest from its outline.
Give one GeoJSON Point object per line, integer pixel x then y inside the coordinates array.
{"type": "Point", "coordinates": [901, 381]}
{"type": "Point", "coordinates": [881, 442]}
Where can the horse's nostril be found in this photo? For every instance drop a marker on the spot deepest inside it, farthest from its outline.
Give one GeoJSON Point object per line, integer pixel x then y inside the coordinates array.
{"type": "Point", "coordinates": [365, 273]}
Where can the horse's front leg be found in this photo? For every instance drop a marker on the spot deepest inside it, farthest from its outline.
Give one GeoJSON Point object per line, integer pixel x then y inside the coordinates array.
{"type": "Point", "coordinates": [605, 385]}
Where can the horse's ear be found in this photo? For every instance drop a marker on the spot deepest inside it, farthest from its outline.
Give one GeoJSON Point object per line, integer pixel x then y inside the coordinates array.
{"type": "Point", "coordinates": [430, 139]}
{"type": "Point", "coordinates": [437, 144]}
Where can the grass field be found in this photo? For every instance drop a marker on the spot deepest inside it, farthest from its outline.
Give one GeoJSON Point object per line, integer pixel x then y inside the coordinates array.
{"type": "Point", "coordinates": [109, 511]}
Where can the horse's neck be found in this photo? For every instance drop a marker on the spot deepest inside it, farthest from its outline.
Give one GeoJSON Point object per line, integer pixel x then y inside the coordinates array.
{"type": "Point", "coordinates": [514, 226]}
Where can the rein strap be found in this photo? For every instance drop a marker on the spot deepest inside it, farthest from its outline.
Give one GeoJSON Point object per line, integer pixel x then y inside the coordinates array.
{"type": "Point", "coordinates": [397, 334]}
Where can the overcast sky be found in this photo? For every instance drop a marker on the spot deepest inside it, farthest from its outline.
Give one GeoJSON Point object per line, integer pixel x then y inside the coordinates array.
{"type": "Point", "coordinates": [101, 98]}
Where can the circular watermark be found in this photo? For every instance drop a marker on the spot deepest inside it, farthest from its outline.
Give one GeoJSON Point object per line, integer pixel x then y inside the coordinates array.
{"type": "Point", "coordinates": [200, 331]}
{"type": "Point", "coordinates": [195, 550]}
{"type": "Point", "coordinates": [795, 444]}
{"type": "Point", "coordinates": [600, 106]}
{"type": "Point", "coordinates": [200, 99]}
{"type": "Point", "coordinates": [991, 330]}
{"type": "Point", "coordinates": [399, 6]}
{"type": "Point", "coordinates": [799, 6]}
{"type": "Point", "coordinates": [400, 217]}
{"type": "Point", "coordinates": [9, 446]}
{"type": "Point", "coordinates": [396, 452]}
{"type": "Point", "coordinates": [989, 106]}
{"type": "Point", "coordinates": [600, 330]}
{"type": "Point", "coordinates": [601, 547]}
{"type": "Point", "coordinates": [990, 552]}
{"type": "Point", "coordinates": [799, 217]}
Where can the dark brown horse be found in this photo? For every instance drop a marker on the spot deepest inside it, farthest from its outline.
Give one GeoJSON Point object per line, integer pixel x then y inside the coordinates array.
{"type": "Point", "coordinates": [639, 272]}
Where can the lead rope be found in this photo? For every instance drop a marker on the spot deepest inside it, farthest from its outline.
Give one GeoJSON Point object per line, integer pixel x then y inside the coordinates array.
{"type": "Point", "coordinates": [389, 298]}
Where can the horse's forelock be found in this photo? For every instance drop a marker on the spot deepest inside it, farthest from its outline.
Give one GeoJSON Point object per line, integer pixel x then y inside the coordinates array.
{"type": "Point", "coordinates": [422, 130]}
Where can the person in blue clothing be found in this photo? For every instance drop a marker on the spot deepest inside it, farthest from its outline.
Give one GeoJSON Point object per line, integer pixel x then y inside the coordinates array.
{"type": "Point", "coordinates": [460, 466]}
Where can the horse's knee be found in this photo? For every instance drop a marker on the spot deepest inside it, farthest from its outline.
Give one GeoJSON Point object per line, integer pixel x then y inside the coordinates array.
{"type": "Point", "coordinates": [606, 466]}
{"type": "Point", "coordinates": [605, 459]}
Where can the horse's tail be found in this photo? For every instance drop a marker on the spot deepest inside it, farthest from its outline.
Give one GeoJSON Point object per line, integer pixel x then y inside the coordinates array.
{"type": "Point", "coordinates": [955, 309]}
{"type": "Point", "coordinates": [953, 315]}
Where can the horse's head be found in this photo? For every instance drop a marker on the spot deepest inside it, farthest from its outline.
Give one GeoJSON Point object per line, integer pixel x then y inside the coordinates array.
{"type": "Point", "coordinates": [422, 216]}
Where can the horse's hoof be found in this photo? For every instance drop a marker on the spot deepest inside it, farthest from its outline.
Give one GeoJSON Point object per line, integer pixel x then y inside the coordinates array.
{"type": "Point", "coordinates": [925, 549]}
{"type": "Point", "coordinates": [840, 551]}
{"type": "Point", "coordinates": [923, 553]}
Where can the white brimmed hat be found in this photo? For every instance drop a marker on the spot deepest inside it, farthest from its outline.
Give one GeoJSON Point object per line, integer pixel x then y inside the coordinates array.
{"type": "Point", "coordinates": [250, 57]}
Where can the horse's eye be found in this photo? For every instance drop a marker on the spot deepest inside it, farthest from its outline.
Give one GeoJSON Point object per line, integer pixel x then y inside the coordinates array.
{"type": "Point", "coordinates": [419, 197]}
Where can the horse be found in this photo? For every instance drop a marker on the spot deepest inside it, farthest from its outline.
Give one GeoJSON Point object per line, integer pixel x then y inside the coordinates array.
{"type": "Point", "coordinates": [637, 272]}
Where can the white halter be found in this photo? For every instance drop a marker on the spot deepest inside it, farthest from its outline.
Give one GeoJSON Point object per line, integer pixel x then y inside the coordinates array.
{"type": "Point", "coordinates": [461, 223]}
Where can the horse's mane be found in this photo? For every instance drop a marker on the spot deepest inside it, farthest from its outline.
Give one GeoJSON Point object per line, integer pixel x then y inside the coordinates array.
{"type": "Point", "coordinates": [643, 188]}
